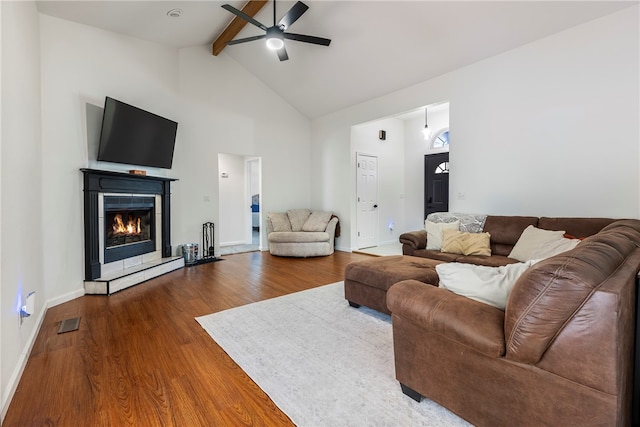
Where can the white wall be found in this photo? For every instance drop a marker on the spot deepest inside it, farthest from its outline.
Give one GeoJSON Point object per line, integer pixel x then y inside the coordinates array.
{"type": "Point", "coordinates": [83, 64]}
{"type": "Point", "coordinates": [550, 128]}
{"type": "Point", "coordinates": [219, 108]}
{"type": "Point", "coordinates": [21, 224]}
{"type": "Point", "coordinates": [228, 110]}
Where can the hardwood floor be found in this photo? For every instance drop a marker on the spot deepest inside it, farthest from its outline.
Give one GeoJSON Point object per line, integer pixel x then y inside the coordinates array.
{"type": "Point", "coordinates": [141, 359]}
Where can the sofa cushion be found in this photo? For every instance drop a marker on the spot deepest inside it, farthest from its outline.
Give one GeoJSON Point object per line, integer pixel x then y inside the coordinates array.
{"type": "Point", "coordinates": [490, 285]}
{"type": "Point", "coordinates": [433, 254]}
{"type": "Point", "coordinates": [383, 272]}
{"type": "Point", "coordinates": [533, 240]}
{"type": "Point", "coordinates": [489, 261]}
{"type": "Point", "coordinates": [297, 218]}
{"type": "Point", "coordinates": [299, 237]}
{"type": "Point", "coordinates": [279, 221]}
{"type": "Point", "coordinates": [578, 227]}
{"type": "Point", "coordinates": [317, 221]}
{"type": "Point", "coordinates": [458, 242]}
{"type": "Point", "coordinates": [505, 231]}
{"type": "Point", "coordinates": [434, 232]}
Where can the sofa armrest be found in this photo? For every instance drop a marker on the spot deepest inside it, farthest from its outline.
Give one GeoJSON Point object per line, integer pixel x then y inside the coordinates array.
{"type": "Point", "coordinates": [416, 239]}
{"type": "Point", "coordinates": [460, 319]}
{"type": "Point", "coordinates": [331, 225]}
{"type": "Point", "coordinates": [331, 230]}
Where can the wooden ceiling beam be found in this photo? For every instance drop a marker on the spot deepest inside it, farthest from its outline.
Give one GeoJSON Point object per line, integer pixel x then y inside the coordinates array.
{"type": "Point", "coordinates": [251, 8]}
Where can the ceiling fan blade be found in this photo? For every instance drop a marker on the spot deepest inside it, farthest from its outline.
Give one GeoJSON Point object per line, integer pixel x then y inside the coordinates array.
{"type": "Point", "coordinates": [292, 15]}
{"type": "Point", "coordinates": [282, 54]}
{"type": "Point", "coordinates": [307, 39]}
{"type": "Point", "coordinates": [244, 16]}
{"type": "Point", "coordinates": [246, 39]}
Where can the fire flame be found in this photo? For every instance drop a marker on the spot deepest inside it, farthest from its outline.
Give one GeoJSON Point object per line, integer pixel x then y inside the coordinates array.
{"type": "Point", "coordinates": [132, 226]}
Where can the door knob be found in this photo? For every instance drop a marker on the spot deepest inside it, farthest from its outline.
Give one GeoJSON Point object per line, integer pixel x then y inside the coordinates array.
{"type": "Point", "coordinates": [375, 206]}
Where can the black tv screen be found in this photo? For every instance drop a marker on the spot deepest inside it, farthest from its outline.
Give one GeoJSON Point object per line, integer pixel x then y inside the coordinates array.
{"type": "Point", "coordinates": [136, 137]}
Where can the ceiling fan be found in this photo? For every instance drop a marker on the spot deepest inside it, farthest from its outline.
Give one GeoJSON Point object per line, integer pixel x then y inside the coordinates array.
{"type": "Point", "coordinates": [276, 34]}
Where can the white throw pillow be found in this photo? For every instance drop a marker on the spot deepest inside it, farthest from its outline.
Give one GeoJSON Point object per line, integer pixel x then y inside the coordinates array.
{"type": "Point", "coordinates": [490, 285]}
{"type": "Point", "coordinates": [434, 232]}
{"type": "Point", "coordinates": [554, 248]}
{"type": "Point", "coordinates": [532, 240]}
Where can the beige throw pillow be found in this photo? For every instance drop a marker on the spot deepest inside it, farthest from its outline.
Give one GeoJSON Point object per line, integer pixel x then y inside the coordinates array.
{"type": "Point", "coordinates": [531, 241]}
{"type": "Point", "coordinates": [452, 241]}
{"type": "Point", "coordinates": [434, 232]}
{"type": "Point", "coordinates": [279, 221]}
{"type": "Point", "coordinates": [317, 221]}
{"type": "Point", "coordinates": [458, 242]}
{"type": "Point", "coordinates": [554, 248]}
{"type": "Point", "coordinates": [297, 218]}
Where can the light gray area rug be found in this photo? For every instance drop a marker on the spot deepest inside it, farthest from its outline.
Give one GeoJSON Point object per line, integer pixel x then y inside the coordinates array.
{"type": "Point", "coordinates": [322, 362]}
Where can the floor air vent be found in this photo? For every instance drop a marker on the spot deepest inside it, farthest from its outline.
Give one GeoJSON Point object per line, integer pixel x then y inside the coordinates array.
{"type": "Point", "coordinates": [68, 325]}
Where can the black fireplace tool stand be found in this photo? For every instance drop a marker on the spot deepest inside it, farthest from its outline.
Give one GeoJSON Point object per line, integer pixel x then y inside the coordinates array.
{"type": "Point", "coordinates": [208, 247]}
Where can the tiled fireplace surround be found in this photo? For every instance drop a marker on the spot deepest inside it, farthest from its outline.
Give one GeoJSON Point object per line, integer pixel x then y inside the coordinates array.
{"type": "Point", "coordinates": [107, 278]}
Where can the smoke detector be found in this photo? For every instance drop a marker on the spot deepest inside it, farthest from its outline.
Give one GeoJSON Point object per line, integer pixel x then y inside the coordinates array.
{"type": "Point", "coordinates": [175, 13]}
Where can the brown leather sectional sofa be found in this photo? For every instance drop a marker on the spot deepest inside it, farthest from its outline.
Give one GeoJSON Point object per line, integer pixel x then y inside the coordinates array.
{"type": "Point", "coordinates": [505, 232]}
{"type": "Point", "coordinates": [560, 354]}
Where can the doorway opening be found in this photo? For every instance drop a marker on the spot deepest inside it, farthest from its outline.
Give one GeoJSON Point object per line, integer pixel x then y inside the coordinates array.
{"type": "Point", "coordinates": [436, 183]}
{"type": "Point", "coordinates": [240, 213]}
{"type": "Point", "coordinates": [399, 144]}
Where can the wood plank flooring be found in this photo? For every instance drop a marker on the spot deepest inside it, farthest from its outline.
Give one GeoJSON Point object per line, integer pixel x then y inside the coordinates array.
{"type": "Point", "coordinates": [139, 357]}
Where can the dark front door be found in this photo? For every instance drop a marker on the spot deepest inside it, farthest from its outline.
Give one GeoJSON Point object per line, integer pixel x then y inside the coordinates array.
{"type": "Point", "coordinates": [436, 183]}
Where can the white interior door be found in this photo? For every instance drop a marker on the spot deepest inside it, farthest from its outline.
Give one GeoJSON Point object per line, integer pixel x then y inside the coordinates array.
{"type": "Point", "coordinates": [367, 200]}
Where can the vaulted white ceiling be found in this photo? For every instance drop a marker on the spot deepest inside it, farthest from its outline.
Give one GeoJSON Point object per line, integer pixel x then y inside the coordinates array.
{"type": "Point", "coordinates": [377, 46]}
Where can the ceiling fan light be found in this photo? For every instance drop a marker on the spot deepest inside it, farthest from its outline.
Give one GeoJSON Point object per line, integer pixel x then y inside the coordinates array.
{"type": "Point", "coordinates": [275, 43]}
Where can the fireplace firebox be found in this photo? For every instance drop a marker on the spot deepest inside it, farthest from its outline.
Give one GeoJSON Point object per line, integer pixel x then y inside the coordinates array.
{"type": "Point", "coordinates": [129, 226]}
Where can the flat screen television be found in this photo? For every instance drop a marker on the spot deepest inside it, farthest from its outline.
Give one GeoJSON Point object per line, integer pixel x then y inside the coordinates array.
{"type": "Point", "coordinates": [134, 136]}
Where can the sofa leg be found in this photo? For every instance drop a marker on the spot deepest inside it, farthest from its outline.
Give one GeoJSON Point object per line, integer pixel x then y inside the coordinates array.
{"type": "Point", "coordinates": [411, 393]}
{"type": "Point", "coordinates": [353, 304]}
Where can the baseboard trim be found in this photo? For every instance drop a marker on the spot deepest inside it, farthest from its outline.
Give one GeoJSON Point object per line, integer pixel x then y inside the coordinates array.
{"type": "Point", "coordinates": [65, 298]}
{"type": "Point", "coordinates": [238, 242]}
{"type": "Point", "coordinates": [7, 396]}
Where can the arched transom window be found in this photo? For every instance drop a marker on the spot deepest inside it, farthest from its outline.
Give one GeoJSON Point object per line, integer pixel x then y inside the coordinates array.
{"type": "Point", "coordinates": [441, 140]}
